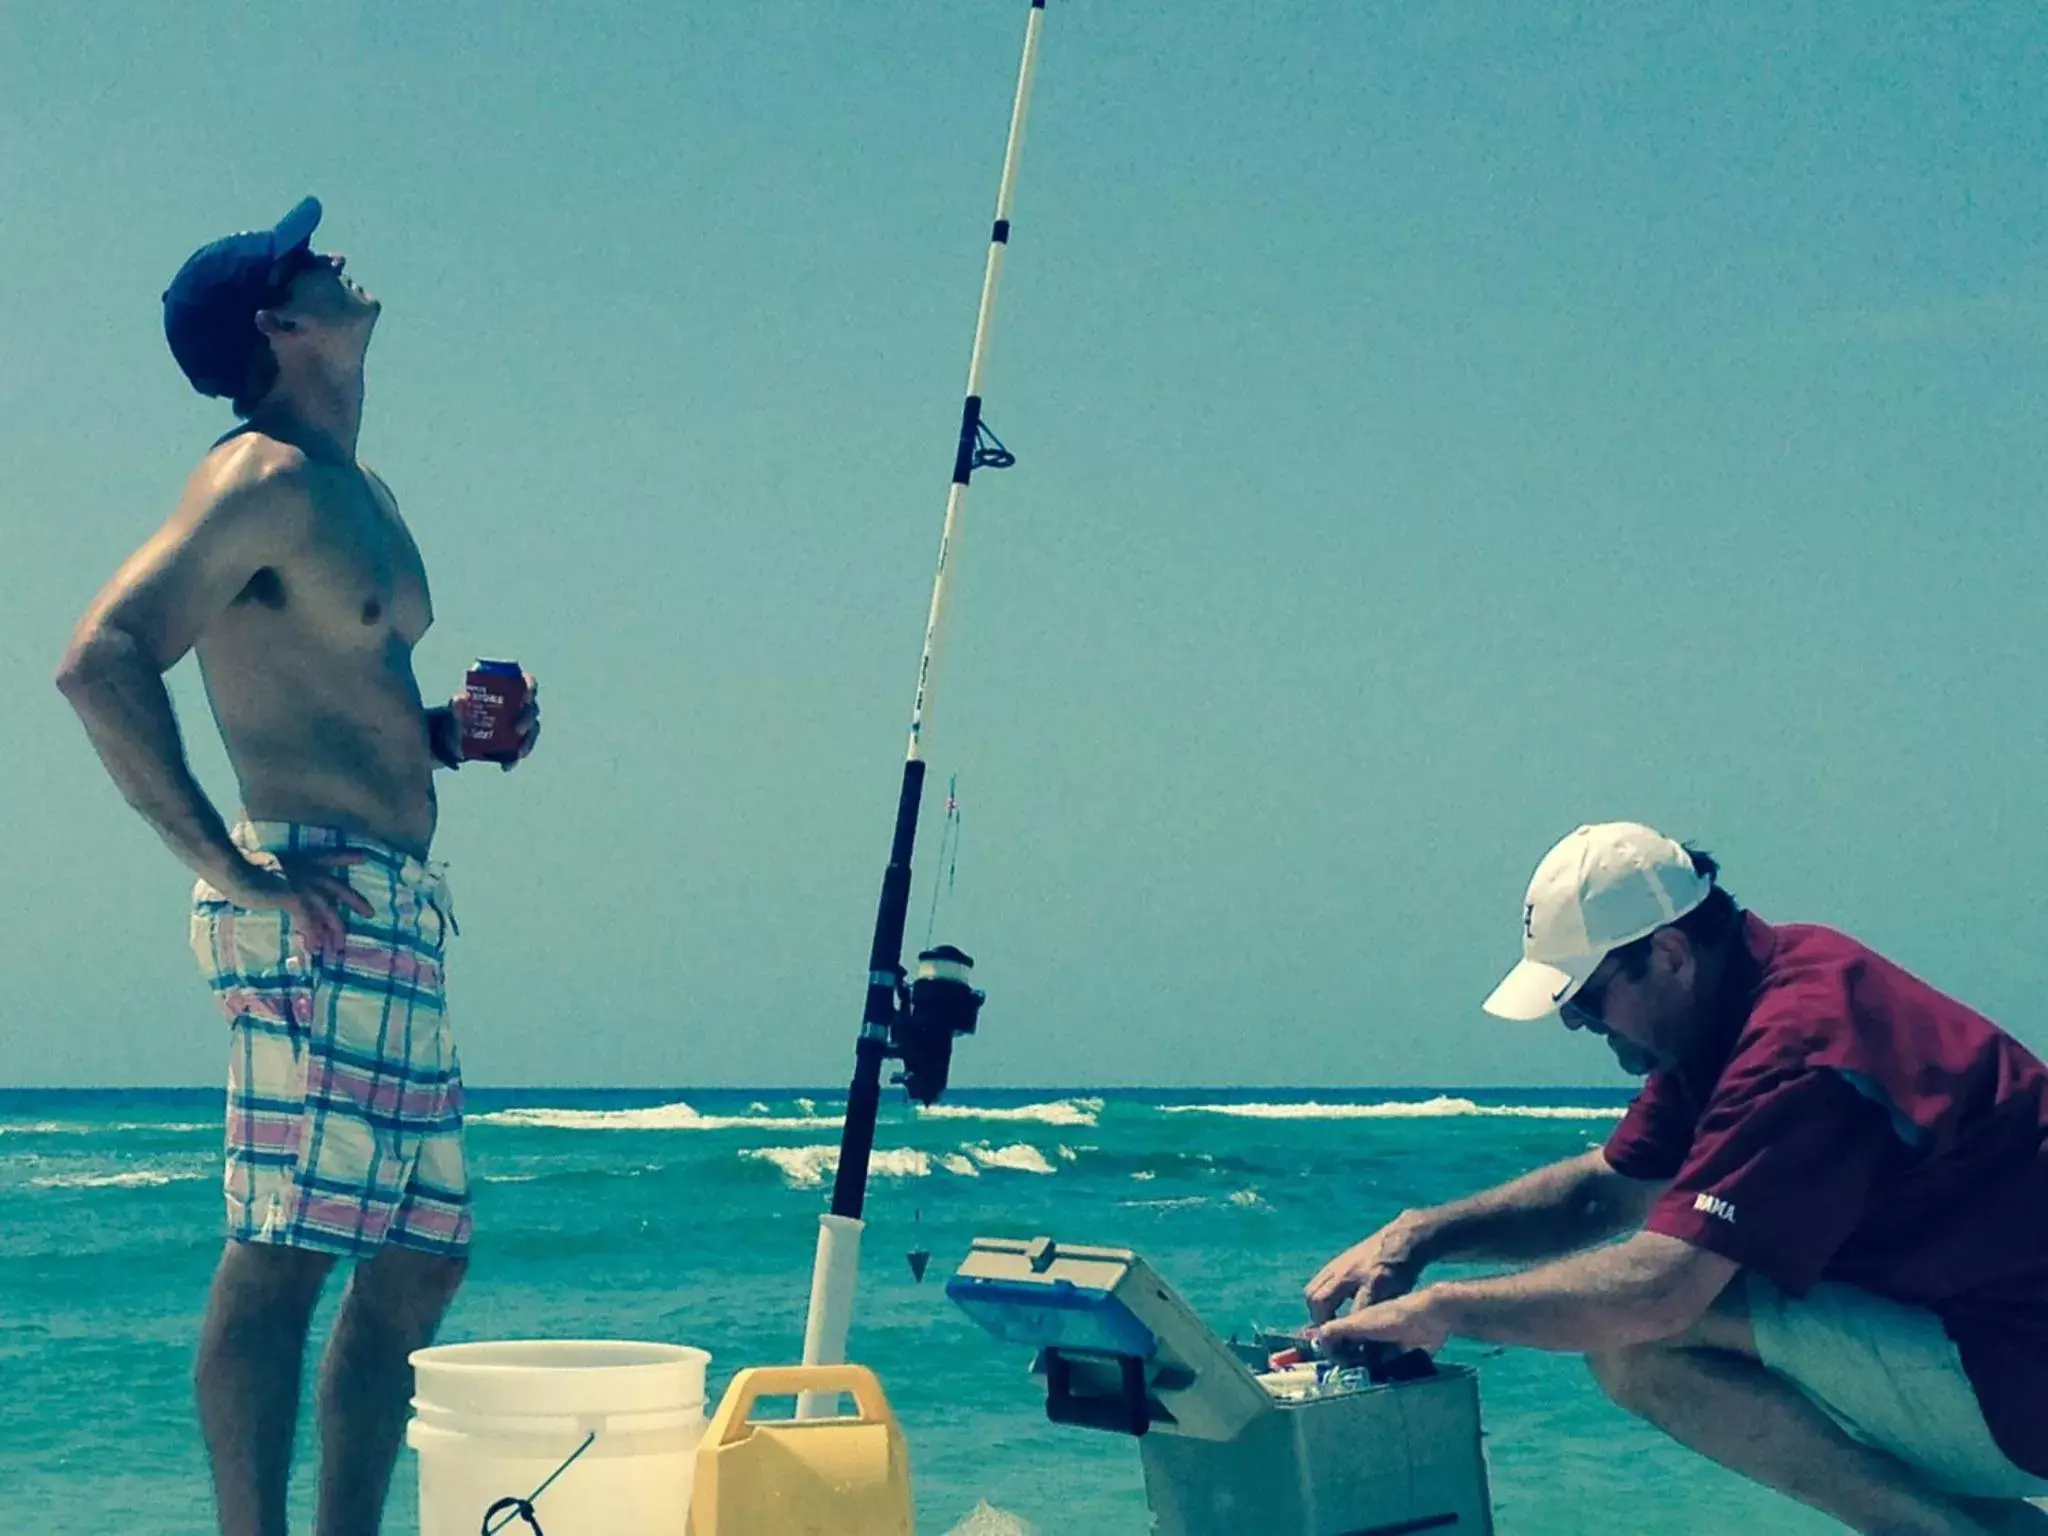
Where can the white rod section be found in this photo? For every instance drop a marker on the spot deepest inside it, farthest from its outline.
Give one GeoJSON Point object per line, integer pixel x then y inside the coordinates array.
{"type": "Point", "coordinates": [970, 418]}
{"type": "Point", "coordinates": [833, 1278]}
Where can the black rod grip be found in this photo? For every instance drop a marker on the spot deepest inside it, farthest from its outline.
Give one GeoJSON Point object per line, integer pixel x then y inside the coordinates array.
{"type": "Point", "coordinates": [970, 432]}
{"type": "Point", "coordinates": [885, 962]}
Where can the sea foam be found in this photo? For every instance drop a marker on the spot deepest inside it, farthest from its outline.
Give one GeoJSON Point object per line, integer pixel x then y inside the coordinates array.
{"type": "Point", "coordinates": [986, 1520]}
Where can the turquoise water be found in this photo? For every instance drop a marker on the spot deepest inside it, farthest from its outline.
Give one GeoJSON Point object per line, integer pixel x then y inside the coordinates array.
{"type": "Point", "coordinates": [692, 1217]}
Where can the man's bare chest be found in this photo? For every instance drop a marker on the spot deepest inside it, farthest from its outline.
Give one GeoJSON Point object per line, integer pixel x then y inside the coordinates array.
{"type": "Point", "coordinates": [356, 581]}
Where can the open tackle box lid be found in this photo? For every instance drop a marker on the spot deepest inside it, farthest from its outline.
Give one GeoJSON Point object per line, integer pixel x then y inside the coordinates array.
{"type": "Point", "coordinates": [1118, 1349]}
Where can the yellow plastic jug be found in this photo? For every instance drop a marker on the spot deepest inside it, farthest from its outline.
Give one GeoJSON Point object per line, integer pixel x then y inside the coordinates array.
{"type": "Point", "coordinates": [802, 1477]}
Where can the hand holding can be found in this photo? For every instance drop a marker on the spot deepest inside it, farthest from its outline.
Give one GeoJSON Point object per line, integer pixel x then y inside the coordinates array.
{"type": "Point", "coordinates": [495, 694]}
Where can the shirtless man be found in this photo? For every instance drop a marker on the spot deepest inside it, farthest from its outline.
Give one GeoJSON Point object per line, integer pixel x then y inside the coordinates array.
{"type": "Point", "coordinates": [318, 920]}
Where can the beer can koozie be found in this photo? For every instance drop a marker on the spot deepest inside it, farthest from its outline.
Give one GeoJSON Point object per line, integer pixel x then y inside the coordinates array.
{"type": "Point", "coordinates": [497, 692]}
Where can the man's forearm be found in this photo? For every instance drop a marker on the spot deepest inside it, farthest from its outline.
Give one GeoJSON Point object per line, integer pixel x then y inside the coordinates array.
{"type": "Point", "coordinates": [126, 710]}
{"type": "Point", "coordinates": [1552, 1211]}
{"type": "Point", "coordinates": [1630, 1293]}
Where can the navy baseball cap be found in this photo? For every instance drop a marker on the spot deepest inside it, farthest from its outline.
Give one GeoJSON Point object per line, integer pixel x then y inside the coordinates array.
{"type": "Point", "coordinates": [210, 307]}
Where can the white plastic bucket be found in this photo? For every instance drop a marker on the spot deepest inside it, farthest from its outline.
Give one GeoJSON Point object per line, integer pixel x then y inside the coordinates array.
{"type": "Point", "coordinates": [495, 1421]}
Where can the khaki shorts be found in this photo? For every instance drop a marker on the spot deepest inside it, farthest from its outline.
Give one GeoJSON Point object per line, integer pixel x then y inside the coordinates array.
{"type": "Point", "coordinates": [1891, 1377]}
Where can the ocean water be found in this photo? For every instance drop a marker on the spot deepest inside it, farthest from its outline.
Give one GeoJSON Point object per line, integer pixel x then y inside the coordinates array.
{"type": "Point", "coordinates": [692, 1216]}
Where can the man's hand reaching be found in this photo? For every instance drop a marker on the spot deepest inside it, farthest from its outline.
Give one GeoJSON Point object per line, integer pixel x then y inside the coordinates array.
{"type": "Point", "coordinates": [1384, 1266]}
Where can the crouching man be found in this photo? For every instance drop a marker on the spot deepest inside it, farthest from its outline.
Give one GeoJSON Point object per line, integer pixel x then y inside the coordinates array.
{"type": "Point", "coordinates": [1832, 1192]}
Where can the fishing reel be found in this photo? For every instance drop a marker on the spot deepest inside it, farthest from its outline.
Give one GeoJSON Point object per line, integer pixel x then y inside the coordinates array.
{"type": "Point", "coordinates": [938, 1005]}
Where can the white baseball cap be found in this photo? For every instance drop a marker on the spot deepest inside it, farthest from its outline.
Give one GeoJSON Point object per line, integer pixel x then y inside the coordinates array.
{"type": "Point", "coordinates": [1600, 888]}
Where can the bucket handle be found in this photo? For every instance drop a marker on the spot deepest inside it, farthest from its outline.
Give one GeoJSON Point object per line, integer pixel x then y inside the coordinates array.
{"type": "Point", "coordinates": [786, 1381]}
{"type": "Point", "coordinates": [515, 1508]}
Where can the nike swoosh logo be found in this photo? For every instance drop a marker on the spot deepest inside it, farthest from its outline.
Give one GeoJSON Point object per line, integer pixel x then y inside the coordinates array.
{"type": "Point", "coordinates": [1558, 995]}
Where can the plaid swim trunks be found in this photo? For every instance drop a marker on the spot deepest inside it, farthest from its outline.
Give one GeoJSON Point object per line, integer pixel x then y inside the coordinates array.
{"type": "Point", "coordinates": [344, 1104]}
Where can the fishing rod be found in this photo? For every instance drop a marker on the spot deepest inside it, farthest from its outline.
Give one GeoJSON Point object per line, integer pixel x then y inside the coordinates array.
{"type": "Point", "coordinates": [915, 1024]}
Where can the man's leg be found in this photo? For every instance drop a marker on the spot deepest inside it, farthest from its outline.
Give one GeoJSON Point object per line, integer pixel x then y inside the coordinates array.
{"type": "Point", "coordinates": [251, 1355]}
{"type": "Point", "coordinates": [395, 1301]}
{"type": "Point", "coordinates": [1708, 1390]}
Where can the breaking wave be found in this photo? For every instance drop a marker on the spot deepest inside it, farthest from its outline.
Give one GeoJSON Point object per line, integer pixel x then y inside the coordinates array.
{"type": "Point", "coordinates": [127, 1127]}
{"type": "Point", "coordinates": [1174, 1203]}
{"type": "Point", "coordinates": [1057, 1112]}
{"type": "Point", "coordinates": [138, 1178]}
{"type": "Point", "coordinates": [1020, 1158]}
{"type": "Point", "coordinates": [809, 1167]}
{"type": "Point", "coordinates": [1241, 1199]}
{"type": "Point", "coordinates": [662, 1117]}
{"type": "Point", "coordinates": [1442, 1107]}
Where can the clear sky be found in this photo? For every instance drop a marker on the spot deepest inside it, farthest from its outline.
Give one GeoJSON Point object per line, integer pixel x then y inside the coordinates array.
{"type": "Point", "coordinates": [1438, 426]}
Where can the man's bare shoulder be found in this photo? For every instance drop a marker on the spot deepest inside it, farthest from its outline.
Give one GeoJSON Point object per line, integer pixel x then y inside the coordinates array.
{"type": "Point", "coordinates": [250, 493]}
{"type": "Point", "coordinates": [247, 506]}
{"type": "Point", "coordinates": [250, 467]}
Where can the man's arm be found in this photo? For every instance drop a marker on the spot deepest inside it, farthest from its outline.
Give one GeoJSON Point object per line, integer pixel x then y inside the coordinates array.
{"type": "Point", "coordinates": [1648, 1288]}
{"type": "Point", "coordinates": [240, 513]}
{"type": "Point", "coordinates": [1566, 1206]}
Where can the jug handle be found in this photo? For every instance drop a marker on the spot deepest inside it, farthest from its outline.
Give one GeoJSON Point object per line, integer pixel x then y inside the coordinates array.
{"type": "Point", "coordinates": [786, 1381]}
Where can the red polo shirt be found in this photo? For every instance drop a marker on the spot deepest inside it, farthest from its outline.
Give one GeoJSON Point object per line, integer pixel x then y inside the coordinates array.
{"type": "Point", "coordinates": [1850, 1123]}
